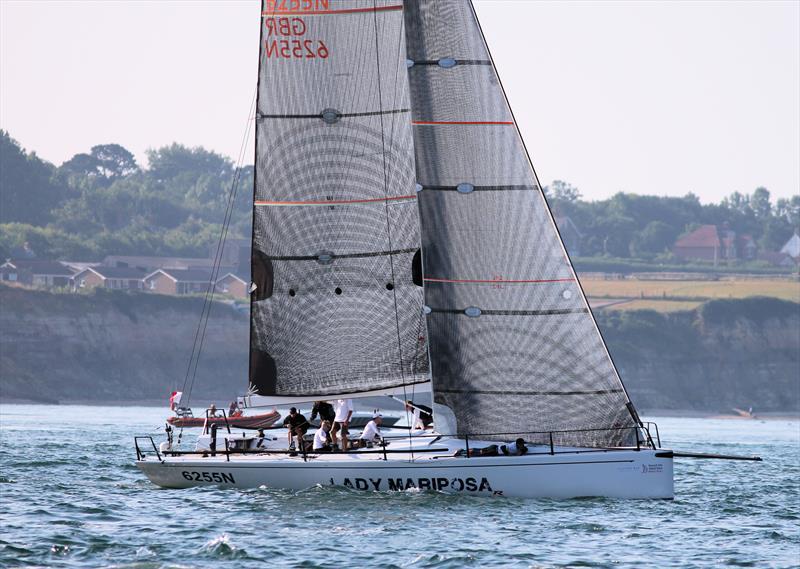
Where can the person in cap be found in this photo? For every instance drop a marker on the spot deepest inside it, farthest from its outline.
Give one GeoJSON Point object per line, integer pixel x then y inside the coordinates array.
{"type": "Point", "coordinates": [322, 438]}
{"type": "Point", "coordinates": [372, 432]}
{"type": "Point", "coordinates": [297, 426]}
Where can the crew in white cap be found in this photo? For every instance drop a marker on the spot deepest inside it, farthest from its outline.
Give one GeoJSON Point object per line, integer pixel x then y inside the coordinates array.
{"type": "Point", "coordinates": [372, 432]}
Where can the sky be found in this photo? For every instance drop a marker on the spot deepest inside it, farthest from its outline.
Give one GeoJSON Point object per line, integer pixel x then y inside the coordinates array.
{"type": "Point", "coordinates": [658, 98]}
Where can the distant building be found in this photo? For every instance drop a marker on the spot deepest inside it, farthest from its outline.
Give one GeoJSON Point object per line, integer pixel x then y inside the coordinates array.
{"type": "Point", "coordinates": [177, 281]}
{"type": "Point", "coordinates": [702, 243]}
{"type": "Point", "coordinates": [709, 243]}
{"type": "Point", "coordinates": [792, 248]}
{"type": "Point", "coordinates": [775, 258]}
{"type": "Point", "coordinates": [569, 235]}
{"type": "Point", "coordinates": [151, 263]}
{"type": "Point", "coordinates": [119, 278]}
{"type": "Point", "coordinates": [36, 272]}
{"type": "Point", "coordinates": [233, 285]}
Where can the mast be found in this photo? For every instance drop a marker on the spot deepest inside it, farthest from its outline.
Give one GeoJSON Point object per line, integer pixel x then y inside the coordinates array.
{"type": "Point", "coordinates": [514, 347]}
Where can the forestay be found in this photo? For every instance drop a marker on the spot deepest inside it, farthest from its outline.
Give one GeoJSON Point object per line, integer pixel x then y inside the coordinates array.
{"type": "Point", "coordinates": [514, 347]}
{"type": "Point", "coordinates": [336, 228]}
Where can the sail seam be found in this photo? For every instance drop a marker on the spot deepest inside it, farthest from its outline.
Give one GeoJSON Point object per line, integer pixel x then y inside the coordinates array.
{"type": "Point", "coordinates": [435, 62]}
{"type": "Point", "coordinates": [492, 392]}
{"type": "Point", "coordinates": [496, 281]}
{"type": "Point", "coordinates": [483, 188]}
{"type": "Point", "coordinates": [331, 12]}
{"type": "Point", "coordinates": [434, 123]}
{"type": "Point", "coordinates": [332, 202]}
{"type": "Point", "coordinates": [551, 312]}
{"type": "Point", "coordinates": [343, 256]}
{"type": "Point", "coordinates": [339, 116]}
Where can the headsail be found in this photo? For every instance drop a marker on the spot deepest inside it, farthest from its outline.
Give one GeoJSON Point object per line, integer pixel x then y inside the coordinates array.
{"type": "Point", "coordinates": [514, 347]}
{"type": "Point", "coordinates": [335, 226]}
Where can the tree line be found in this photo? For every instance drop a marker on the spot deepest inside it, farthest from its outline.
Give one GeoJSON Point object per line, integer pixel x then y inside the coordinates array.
{"type": "Point", "coordinates": [103, 202]}
{"type": "Point", "coordinates": [645, 227]}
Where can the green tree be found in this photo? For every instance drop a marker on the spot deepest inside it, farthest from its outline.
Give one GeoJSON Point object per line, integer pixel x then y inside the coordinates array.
{"type": "Point", "coordinates": [760, 203]}
{"type": "Point", "coordinates": [27, 190]}
{"type": "Point", "coordinates": [655, 238]}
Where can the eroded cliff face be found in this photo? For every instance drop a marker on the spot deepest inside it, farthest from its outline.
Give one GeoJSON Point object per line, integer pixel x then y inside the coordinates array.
{"type": "Point", "coordinates": [729, 353]}
{"type": "Point", "coordinates": [115, 346]}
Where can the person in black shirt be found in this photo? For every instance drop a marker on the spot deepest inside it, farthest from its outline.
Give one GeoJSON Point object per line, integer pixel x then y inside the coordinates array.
{"type": "Point", "coordinates": [324, 410]}
{"type": "Point", "coordinates": [297, 425]}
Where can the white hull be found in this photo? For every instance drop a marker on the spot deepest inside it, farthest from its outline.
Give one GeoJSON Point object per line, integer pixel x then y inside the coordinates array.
{"type": "Point", "coordinates": [613, 474]}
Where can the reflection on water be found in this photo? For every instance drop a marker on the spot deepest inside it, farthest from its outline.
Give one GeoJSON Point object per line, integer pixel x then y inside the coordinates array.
{"type": "Point", "coordinates": [71, 497]}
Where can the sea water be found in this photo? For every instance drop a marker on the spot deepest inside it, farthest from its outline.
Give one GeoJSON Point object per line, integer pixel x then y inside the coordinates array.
{"type": "Point", "coordinates": [70, 496]}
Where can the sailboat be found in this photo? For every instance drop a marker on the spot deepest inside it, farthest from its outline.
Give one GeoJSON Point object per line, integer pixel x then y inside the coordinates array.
{"type": "Point", "coordinates": [402, 242]}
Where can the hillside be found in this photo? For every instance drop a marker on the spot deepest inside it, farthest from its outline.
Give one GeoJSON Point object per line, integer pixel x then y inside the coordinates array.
{"type": "Point", "coordinates": [113, 346]}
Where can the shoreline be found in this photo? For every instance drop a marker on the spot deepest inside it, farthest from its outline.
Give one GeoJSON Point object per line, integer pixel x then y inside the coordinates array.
{"type": "Point", "coordinates": [790, 415]}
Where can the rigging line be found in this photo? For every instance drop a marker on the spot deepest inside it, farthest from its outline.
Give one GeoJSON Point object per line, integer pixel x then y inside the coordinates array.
{"type": "Point", "coordinates": [210, 290]}
{"type": "Point", "coordinates": [205, 300]}
{"type": "Point", "coordinates": [399, 57]}
{"type": "Point", "coordinates": [221, 244]}
{"type": "Point", "coordinates": [386, 206]}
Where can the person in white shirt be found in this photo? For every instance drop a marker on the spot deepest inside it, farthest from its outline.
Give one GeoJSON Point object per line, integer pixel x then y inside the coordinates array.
{"type": "Point", "coordinates": [322, 438]}
{"type": "Point", "coordinates": [341, 421]}
{"type": "Point", "coordinates": [372, 432]}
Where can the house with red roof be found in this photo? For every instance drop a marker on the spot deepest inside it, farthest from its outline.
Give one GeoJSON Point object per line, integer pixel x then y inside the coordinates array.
{"type": "Point", "coordinates": [177, 281]}
{"type": "Point", "coordinates": [118, 278]}
{"type": "Point", "coordinates": [712, 243]}
{"type": "Point", "coordinates": [702, 243]}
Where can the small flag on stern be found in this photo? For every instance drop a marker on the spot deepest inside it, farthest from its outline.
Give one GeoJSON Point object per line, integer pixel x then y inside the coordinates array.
{"type": "Point", "coordinates": [175, 399]}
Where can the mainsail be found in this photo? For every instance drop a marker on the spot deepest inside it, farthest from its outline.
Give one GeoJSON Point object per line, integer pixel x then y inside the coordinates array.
{"type": "Point", "coordinates": [514, 347]}
{"type": "Point", "coordinates": [336, 236]}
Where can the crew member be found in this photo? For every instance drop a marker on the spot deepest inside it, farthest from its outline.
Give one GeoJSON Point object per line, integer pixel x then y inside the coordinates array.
{"type": "Point", "coordinates": [297, 426]}
{"type": "Point", "coordinates": [423, 415]}
{"type": "Point", "coordinates": [322, 438]}
{"type": "Point", "coordinates": [324, 410]}
{"type": "Point", "coordinates": [372, 432]}
{"type": "Point", "coordinates": [343, 411]}
{"type": "Point", "coordinates": [516, 448]}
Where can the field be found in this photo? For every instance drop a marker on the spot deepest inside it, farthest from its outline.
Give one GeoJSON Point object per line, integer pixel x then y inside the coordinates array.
{"type": "Point", "coordinates": [672, 295]}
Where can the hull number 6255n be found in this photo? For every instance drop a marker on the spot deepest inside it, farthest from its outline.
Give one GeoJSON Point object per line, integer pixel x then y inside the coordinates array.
{"type": "Point", "coordinates": [220, 477]}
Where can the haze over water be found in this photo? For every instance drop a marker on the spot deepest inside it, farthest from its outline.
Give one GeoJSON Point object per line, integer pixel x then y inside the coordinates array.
{"type": "Point", "coordinates": [71, 497]}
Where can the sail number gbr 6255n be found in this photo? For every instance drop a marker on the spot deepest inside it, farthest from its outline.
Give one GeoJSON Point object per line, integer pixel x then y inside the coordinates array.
{"type": "Point", "coordinates": [286, 39]}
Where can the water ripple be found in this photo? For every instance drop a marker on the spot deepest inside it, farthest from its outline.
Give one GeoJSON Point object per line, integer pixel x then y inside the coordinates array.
{"type": "Point", "coordinates": [81, 503]}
